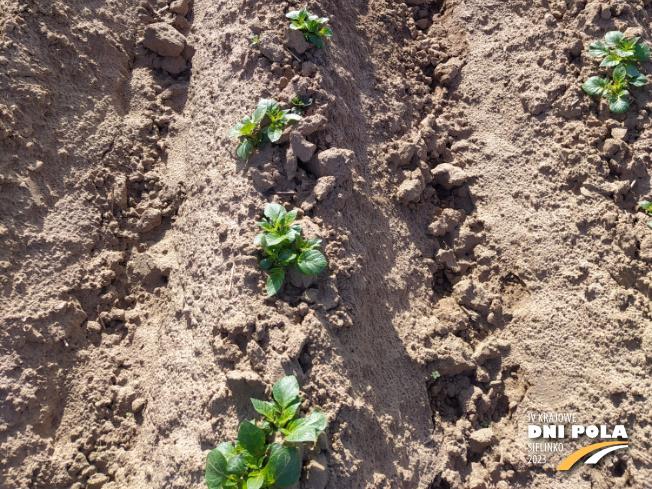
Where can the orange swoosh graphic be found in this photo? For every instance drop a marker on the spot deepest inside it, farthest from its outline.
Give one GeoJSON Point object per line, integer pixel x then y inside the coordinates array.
{"type": "Point", "coordinates": [575, 456]}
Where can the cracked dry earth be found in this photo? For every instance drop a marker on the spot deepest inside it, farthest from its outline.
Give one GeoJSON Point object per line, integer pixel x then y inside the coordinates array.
{"type": "Point", "coordinates": [478, 212]}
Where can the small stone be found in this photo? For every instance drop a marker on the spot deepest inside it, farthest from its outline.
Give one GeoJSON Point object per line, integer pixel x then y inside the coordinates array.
{"type": "Point", "coordinates": [93, 326]}
{"type": "Point", "coordinates": [150, 219]}
{"type": "Point", "coordinates": [272, 49]}
{"type": "Point", "coordinates": [173, 64]}
{"type": "Point", "coordinates": [606, 12]}
{"type": "Point", "coordinates": [324, 186]}
{"type": "Point", "coordinates": [410, 190]}
{"type": "Point", "coordinates": [302, 148]}
{"type": "Point", "coordinates": [317, 473]}
{"type": "Point", "coordinates": [283, 82]}
{"type": "Point", "coordinates": [481, 439]}
{"type": "Point", "coordinates": [308, 69]}
{"type": "Point", "coordinates": [619, 133]}
{"type": "Point", "coordinates": [611, 147]}
{"type": "Point", "coordinates": [312, 124]}
{"type": "Point", "coordinates": [296, 41]}
{"type": "Point", "coordinates": [97, 481]}
{"type": "Point", "coordinates": [334, 162]}
{"type": "Point", "coordinates": [422, 24]}
{"type": "Point", "coordinates": [447, 72]}
{"type": "Point", "coordinates": [138, 404]}
{"type": "Point", "coordinates": [646, 248]}
{"type": "Point", "coordinates": [448, 176]}
{"type": "Point", "coordinates": [550, 19]}
{"type": "Point", "coordinates": [180, 7]}
{"type": "Point", "coordinates": [164, 39]}
{"type": "Point", "coordinates": [180, 22]}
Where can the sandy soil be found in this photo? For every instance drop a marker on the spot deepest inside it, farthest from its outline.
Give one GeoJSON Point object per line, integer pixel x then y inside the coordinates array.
{"type": "Point", "coordinates": [478, 212]}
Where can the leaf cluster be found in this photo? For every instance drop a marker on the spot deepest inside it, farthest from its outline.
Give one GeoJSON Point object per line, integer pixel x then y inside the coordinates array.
{"type": "Point", "coordinates": [647, 207]}
{"type": "Point", "coordinates": [311, 26]}
{"type": "Point", "coordinates": [284, 246]}
{"type": "Point", "coordinates": [300, 103]}
{"type": "Point", "coordinates": [621, 54]}
{"type": "Point", "coordinates": [254, 463]}
{"type": "Point", "coordinates": [264, 126]}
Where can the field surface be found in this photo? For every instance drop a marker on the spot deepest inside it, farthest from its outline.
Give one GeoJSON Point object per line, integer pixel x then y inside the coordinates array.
{"type": "Point", "coordinates": [478, 212]}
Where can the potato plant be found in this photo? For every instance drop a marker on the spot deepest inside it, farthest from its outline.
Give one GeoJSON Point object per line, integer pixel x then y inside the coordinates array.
{"type": "Point", "coordinates": [284, 246]}
{"type": "Point", "coordinates": [264, 126]}
{"type": "Point", "coordinates": [647, 207]}
{"type": "Point", "coordinates": [311, 26]}
{"type": "Point", "coordinates": [300, 104]}
{"type": "Point", "coordinates": [622, 54]}
{"type": "Point", "coordinates": [263, 455]}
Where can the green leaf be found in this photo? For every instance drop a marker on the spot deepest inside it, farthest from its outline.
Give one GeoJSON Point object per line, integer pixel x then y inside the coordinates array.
{"type": "Point", "coordinates": [649, 223]}
{"type": "Point", "coordinates": [624, 54]}
{"type": "Point", "coordinates": [289, 412]}
{"type": "Point", "coordinates": [307, 429]}
{"type": "Point", "coordinates": [290, 217]}
{"type": "Point", "coordinates": [236, 465]}
{"type": "Point", "coordinates": [267, 409]}
{"type": "Point", "coordinates": [598, 50]}
{"type": "Point", "coordinates": [266, 226]}
{"type": "Point", "coordinates": [274, 132]}
{"type": "Point", "coordinates": [284, 466]}
{"type": "Point", "coordinates": [646, 205]}
{"type": "Point", "coordinates": [287, 256]}
{"type": "Point", "coordinates": [286, 390]}
{"type": "Point", "coordinates": [275, 281]}
{"type": "Point", "coordinates": [293, 14]}
{"type": "Point", "coordinates": [266, 104]}
{"type": "Point", "coordinates": [266, 263]}
{"type": "Point", "coordinates": [612, 38]}
{"type": "Point", "coordinates": [251, 437]}
{"type": "Point", "coordinates": [619, 105]}
{"type": "Point", "coordinates": [311, 262]}
{"type": "Point", "coordinates": [292, 117]}
{"type": "Point", "coordinates": [274, 239]}
{"type": "Point", "coordinates": [641, 52]}
{"type": "Point", "coordinates": [236, 130]}
{"type": "Point", "coordinates": [610, 61]}
{"type": "Point", "coordinates": [326, 32]}
{"type": "Point", "coordinates": [631, 70]}
{"type": "Point", "coordinates": [619, 73]}
{"type": "Point", "coordinates": [244, 149]}
{"type": "Point", "coordinates": [256, 481]}
{"type": "Point", "coordinates": [275, 212]}
{"type": "Point", "coordinates": [248, 129]}
{"type": "Point", "coordinates": [215, 469]}
{"type": "Point", "coordinates": [315, 40]}
{"type": "Point", "coordinates": [595, 85]}
{"type": "Point", "coordinates": [227, 449]}
{"type": "Point", "coordinates": [639, 81]}
{"type": "Point", "coordinates": [259, 113]}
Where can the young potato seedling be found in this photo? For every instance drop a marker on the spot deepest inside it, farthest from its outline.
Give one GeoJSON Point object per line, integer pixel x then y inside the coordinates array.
{"type": "Point", "coordinates": [647, 207]}
{"type": "Point", "coordinates": [252, 131]}
{"type": "Point", "coordinates": [300, 103]}
{"type": "Point", "coordinates": [263, 456]}
{"type": "Point", "coordinates": [284, 246]}
{"type": "Point", "coordinates": [622, 54]}
{"type": "Point", "coordinates": [255, 40]}
{"type": "Point", "coordinates": [311, 26]}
